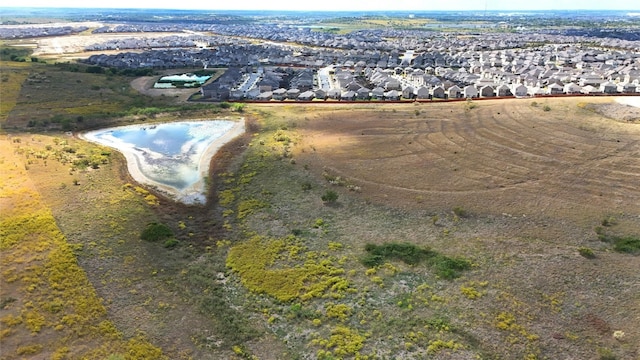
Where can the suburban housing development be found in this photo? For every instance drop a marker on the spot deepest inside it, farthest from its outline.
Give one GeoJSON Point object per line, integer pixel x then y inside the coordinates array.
{"type": "Point", "coordinates": [389, 64]}
{"type": "Point", "coordinates": [268, 62]}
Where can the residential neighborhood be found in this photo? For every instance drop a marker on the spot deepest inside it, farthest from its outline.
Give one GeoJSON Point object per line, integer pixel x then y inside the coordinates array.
{"type": "Point", "coordinates": [291, 63]}
{"type": "Point", "coordinates": [272, 61]}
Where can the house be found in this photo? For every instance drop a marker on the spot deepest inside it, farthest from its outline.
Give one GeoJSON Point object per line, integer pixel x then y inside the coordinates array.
{"type": "Point", "coordinates": [535, 90]}
{"type": "Point", "coordinates": [469, 91]}
{"type": "Point", "coordinates": [320, 94]}
{"type": "Point", "coordinates": [293, 93]}
{"type": "Point", "coordinates": [377, 93]}
{"type": "Point", "coordinates": [279, 94]}
{"type": "Point", "coordinates": [555, 89]}
{"type": "Point", "coordinates": [627, 88]}
{"type": "Point", "coordinates": [438, 93]}
{"type": "Point", "coordinates": [609, 87]}
{"type": "Point", "coordinates": [363, 94]}
{"type": "Point", "coordinates": [454, 92]}
{"type": "Point", "coordinates": [422, 92]}
{"type": "Point", "coordinates": [408, 92]}
{"type": "Point", "coordinates": [306, 96]}
{"type": "Point", "coordinates": [572, 88]}
{"type": "Point", "coordinates": [592, 79]}
{"type": "Point", "coordinates": [252, 93]}
{"type": "Point", "coordinates": [589, 89]}
{"type": "Point", "coordinates": [353, 86]}
{"type": "Point", "coordinates": [349, 95]}
{"type": "Point", "coordinates": [392, 95]}
{"type": "Point", "coordinates": [392, 84]}
{"type": "Point", "coordinates": [334, 94]}
{"type": "Point", "coordinates": [519, 90]}
{"type": "Point", "coordinates": [236, 94]}
{"type": "Point", "coordinates": [487, 91]}
{"type": "Point", "coordinates": [503, 90]}
{"type": "Point", "coordinates": [265, 96]}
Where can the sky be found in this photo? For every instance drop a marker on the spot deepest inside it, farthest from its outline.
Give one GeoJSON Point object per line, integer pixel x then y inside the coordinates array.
{"type": "Point", "coordinates": [341, 5]}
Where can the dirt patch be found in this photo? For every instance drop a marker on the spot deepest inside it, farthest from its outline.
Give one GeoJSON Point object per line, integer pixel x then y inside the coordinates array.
{"type": "Point", "coordinates": [616, 111]}
{"type": "Point", "coordinates": [144, 85]}
{"type": "Point", "coordinates": [501, 157]}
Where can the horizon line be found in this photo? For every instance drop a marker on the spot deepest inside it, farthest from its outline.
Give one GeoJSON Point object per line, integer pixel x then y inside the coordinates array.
{"type": "Point", "coordinates": [315, 10]}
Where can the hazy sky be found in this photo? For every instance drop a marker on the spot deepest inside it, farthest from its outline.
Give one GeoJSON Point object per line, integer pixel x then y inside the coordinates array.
{"type": "Point", "coordinates": [410, 5]}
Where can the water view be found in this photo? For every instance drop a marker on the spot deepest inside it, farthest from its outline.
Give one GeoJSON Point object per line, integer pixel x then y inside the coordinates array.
{"type": "Point", "coordinates": [181, 81]}
{"type": "Point", "coordinates": [174, 157]}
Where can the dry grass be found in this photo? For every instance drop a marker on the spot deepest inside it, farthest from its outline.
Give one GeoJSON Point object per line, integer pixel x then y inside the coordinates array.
{"type": "Point", "coordinates": [12, 77]}
{"type": "Point", "coordinates": [512, 188]}
{"type": "Point", "coordinates": [531, 185]}
{"type": "Point", "coordinates": [49, 308]}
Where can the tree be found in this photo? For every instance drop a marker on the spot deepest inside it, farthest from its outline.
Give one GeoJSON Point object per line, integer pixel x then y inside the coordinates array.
{"type": "Point", "coordinates": [329, 196]}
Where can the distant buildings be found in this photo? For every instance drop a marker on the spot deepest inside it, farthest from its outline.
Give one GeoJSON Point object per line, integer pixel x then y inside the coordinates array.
{"type": "Point", "coordinates": [386, 64]}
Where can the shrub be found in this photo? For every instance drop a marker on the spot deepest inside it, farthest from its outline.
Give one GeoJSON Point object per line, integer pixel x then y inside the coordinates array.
{"type": "Point", "coordinates": [586, 252]}
{"type": "Point", "coordinates": [444, 266]}
{"type": "Point", "coordinates": [460, 211]}
{"type": "Point", "coordinates": [627, 245]}
{"type": "Point", "coordinates": [171, 243]}
{"type": "Point", "coordinates": [408, 253]}
{"type": "Point", "coordinates": [546, 108]}
{"type": "Point", "coordinates": [606, 354]}
{"type": "Point", "coordinates": [449, 268]}
{"type": "Point", "coordinates": [237, 107]}
{"type": "Point", "coordinates": [156, 231]}
{"type": "Point", "coordinates": [609, 221]}
{"type": "Point", "coordinates": [329, 196]}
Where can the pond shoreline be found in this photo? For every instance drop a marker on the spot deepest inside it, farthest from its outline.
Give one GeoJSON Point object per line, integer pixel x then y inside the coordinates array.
{"type": "Point", "coordinates": [192, 194]}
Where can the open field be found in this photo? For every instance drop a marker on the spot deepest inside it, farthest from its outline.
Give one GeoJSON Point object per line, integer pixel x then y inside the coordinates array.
{"type": "Point", "coordinates": [445, 230]}
{"type": "Point", "coordinates": [72, 47]}
{"type": "Point", "coordinates": [90, 100]}
{"type": "Point", "coordinates": [518, 190]}
{"type": "Point", "coordinates": [491, 157]}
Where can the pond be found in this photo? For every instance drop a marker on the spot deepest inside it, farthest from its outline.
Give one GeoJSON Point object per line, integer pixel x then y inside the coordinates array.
{"type": "Point", "coordinates": [173, 157]}
{"type": "Point", "coordinates": [181, 81]}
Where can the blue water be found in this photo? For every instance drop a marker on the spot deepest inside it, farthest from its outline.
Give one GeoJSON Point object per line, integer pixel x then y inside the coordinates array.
{"type": "Point", "coordinates": [166, 153]}
{"type": "Point", "coordinates": [166, 139]}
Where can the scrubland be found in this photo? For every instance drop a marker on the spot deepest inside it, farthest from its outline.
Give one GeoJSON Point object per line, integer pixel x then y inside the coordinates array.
{"type": "Point", "coordinates": [491, 229]}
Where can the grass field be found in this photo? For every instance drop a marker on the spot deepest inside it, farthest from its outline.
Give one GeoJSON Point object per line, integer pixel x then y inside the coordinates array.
{"type": "Point", "coordinates": [369, 231]}
{"type": "Point", "coordinates": [33, 100]}
{"type": "Point", "coordinates": [48, 306]}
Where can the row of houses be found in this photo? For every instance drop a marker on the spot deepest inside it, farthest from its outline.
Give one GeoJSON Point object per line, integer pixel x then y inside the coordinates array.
{"type": "Point", "coordinates": [394, 84]}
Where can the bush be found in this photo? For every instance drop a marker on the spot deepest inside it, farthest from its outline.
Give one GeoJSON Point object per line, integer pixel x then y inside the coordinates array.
{"type": "Point", "coordinates": [609, 221]}
{"type": "Point", "coordinates": [460, 211]}
{"type": "Point", "coordinates": [329, 196]}
{"type": "Point", "coordinates": [586, 252]}
{"type": "Point", "coordinates": [627, 245]}
{"type": "Point", "coordinates": [155, 231]}
{"type": "Point", "coordinates": [171, 243]}
{"type": "Point", "coordinates": [445, 267]}
{"type": "Point", "coordinates": [238, 107]}
{"type": "Point", "coordinates": [546, 108]}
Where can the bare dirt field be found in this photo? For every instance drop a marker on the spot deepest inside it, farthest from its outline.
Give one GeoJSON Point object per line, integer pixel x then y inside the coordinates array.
{"type": "Point", "coordinates": [497, 157]}
{"type": "Point", "coordinates": [73, 46]}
